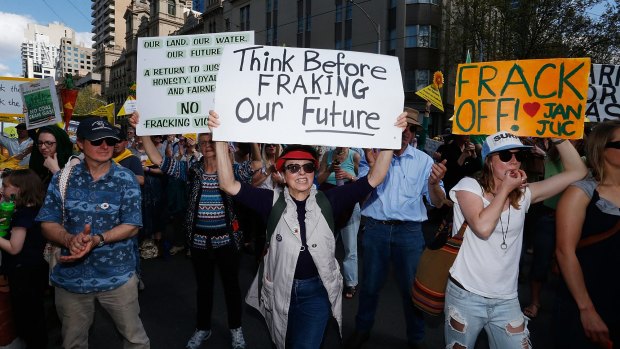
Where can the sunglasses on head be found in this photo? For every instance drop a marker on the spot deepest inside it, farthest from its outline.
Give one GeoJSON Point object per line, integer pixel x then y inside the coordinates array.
{"type": "Point", "coordinates": [614, 145]}
{"type": "Point", "coordinates": [506, 155]}
{"type": "Point", "coordinates": [109, 141]}
{"type": "Point", "coordinates": [294, 168]}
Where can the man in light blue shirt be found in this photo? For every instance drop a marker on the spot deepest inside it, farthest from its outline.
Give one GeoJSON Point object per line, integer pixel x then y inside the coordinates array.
{"type": "Point", "coordinates": [393, 232]}
{"type": "Point", "coordinates": [20, 146]}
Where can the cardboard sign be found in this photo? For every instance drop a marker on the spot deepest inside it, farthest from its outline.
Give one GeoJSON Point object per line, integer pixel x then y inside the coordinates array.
{"type": "Point", "coordinates": [177, 76]}
{"type": "Point", "coordinates": [431, 146]}
{"type": "Point", "coordinates": [604, 93]}
{"type": "Point", "coordinates": [308, 96]}
{"type": "Point", "coordinates": [41, 102]}
{"type": "Point", "coordinates": [431, 94]}
{"type": "Point", "coordinates": [10, 97]}
{"type": "Point", "coordinates": [538, 98]}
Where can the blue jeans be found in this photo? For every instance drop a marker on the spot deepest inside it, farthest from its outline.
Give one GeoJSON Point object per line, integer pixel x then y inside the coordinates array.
{"type": "Point", "coordinates": [307, 314]}
{"type": "Point", "coordinates": [402, 245]}
{"type": "Point", "coordinates": [468, 313]}
{"type": "Point", "coordinates": [349, 241]}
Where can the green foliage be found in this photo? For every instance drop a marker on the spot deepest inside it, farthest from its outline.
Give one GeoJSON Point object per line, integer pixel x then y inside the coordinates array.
{"type": "Point", "coordinates": [87, 101]}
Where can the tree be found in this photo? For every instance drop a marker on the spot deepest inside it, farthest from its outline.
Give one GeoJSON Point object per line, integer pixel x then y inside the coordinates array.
{"type": "Point", "coordinates": [88, 101]}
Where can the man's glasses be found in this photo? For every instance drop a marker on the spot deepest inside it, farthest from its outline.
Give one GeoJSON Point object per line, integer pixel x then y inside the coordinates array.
{"type": "Point", "coordinates": [294, 168]}
{"type": "Point", "coordinates": [109, 141]}
{"type": "Point", "coordinates": [45, 143]}
{"type": "Point", "coordinates": [614, 145]}
{"type": "Point", "coordinates": [412, 128]}
{"type": "Point", "coordinates": [506, 155]}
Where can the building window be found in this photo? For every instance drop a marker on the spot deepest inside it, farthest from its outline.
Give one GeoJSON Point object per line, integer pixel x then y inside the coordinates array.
{"type": "Point", "coordinates": [244, 18]}
{"type": "Point", "coordinates": [349, 14]}
{"type": "Point", "coordinates": [338, 44]}
{"type": "Point", "coordinates": [421, 36]}
{"type": "Point", "coordinates": [348, 44]}
{"type": "Point", "coordinates": [338, 11]}
{"type": "Point", "coordinates": [392, 44]}
{"type": "Point", "coordinates": [172, 8]}
{"type": "Point", "coordinates": [434, 2]}
{"type": "Point", "coordinates": [300, 17]}
{"type": "Point", "coordinates": [422, 78]}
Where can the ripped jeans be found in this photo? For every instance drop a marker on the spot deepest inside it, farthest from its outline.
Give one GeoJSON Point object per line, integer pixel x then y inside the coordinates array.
{"type": "Point", "coordinates": [468, 313]}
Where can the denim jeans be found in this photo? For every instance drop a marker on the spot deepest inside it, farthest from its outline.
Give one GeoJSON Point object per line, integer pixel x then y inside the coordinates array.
{"type": "Point", "coordinates": [307, 314]}
{"type": "Point", "coordinates": [401, 245]}
{"type": "Point", "coordinates": [349, 241]}
{"type": "Point", "coordinates": [468, 313]}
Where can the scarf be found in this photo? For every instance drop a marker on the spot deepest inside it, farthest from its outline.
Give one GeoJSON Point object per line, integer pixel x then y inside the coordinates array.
{"type": "Point", "coordinates": [122, 156]}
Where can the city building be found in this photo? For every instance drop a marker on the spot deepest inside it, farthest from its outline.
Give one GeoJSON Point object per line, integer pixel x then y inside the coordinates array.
{"type": "Point", "coordinates": [74, 58]}
{"type": "Point", "coordinates": [40, 49]}
{"type": "Point", "coordinates": [108, 41]}
{"type": "Point", "coordinates": [410, 30]}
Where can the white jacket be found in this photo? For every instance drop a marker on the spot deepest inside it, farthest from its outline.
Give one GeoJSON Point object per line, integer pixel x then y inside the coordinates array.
{"type": "Point", "coordinates": [281, 260]}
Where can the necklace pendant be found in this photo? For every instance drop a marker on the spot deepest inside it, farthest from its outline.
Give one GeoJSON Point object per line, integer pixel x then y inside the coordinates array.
{"type": "Point", "coordinates": [503, 246]}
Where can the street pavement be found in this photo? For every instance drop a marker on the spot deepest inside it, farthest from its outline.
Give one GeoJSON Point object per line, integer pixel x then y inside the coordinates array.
{"type": "Point", "coordinates": [168, 313]}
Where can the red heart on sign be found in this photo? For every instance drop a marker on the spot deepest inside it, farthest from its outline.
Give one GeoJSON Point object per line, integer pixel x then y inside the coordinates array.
{"type": "Point", "coordinates": [531, 108]}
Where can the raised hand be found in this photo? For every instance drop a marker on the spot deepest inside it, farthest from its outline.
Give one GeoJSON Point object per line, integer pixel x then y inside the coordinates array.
{"type": "Point", "coordinates": [51, 163]}
{"type": "Point", "coordinates": [437, 172]}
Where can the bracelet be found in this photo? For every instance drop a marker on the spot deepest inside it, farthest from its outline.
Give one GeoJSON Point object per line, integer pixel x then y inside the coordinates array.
{"type": "Point", "coordinates": [558, 141]}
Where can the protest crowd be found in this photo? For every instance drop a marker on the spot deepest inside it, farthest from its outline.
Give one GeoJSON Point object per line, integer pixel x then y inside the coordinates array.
{"type": "Point", "coordinates": [84, 215]}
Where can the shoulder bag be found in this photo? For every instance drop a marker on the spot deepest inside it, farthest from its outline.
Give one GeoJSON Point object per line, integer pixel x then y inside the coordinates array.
{"type": "Point", "coordinates": [429, 287]}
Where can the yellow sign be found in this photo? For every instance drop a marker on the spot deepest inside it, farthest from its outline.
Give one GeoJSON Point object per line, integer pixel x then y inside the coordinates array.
{"type": "Point", "coordinates": [538, 98]}
{"type": "Point", "coordinates": [431, 94]}
{"type": "Point", "coordinates": [106, 111]}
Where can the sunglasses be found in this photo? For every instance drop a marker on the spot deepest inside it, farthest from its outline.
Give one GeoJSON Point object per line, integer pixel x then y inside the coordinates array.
{"type": "Point", "coordinates": [109, 141]}
{"type": "Point", "coordinates": [614, 145]}
{"type": "Point", "coordinates": [294, 168]}
{"type": "Point", "coordinates": [506, 155]}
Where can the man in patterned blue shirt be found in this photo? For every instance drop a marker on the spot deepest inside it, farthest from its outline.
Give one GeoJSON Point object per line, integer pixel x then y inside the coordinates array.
{"type": "Point", "coordinates": [101, 215]}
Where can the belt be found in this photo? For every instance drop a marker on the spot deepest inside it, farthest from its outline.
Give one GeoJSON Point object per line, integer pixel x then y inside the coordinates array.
{"type": "Point", "coordinates": [391, 222]}
{"type": "Point", "coordinates": [458, 284]}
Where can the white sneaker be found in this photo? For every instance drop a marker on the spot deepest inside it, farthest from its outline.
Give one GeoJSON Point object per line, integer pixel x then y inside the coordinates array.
{"type": "Point", "coordinates": [197, 339]}
{"type": "Point", "coordinates": [237, 338]}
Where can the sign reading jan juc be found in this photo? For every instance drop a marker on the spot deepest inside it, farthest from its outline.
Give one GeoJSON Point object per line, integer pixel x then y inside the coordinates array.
{"type": "Point", "coordinates": [308, 96]}
{"type": "Point", "coordinates": [176, 78]}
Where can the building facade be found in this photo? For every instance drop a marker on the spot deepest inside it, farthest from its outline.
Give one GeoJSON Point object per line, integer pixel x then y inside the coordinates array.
{"type": "Point", "coordinates": [40, 49]}
{"type": "Point", "coordinates": [74, 58]}
{"type": "Point", "coordinates": [108, 40]}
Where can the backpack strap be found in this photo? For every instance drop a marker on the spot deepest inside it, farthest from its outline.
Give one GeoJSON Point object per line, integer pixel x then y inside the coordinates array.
{"type": "Point", "coordinates": [326, 210]}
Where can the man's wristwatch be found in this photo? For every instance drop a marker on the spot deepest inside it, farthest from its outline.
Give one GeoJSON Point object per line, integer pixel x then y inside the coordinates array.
{"type": "Point", "coordinates": [101, 240]}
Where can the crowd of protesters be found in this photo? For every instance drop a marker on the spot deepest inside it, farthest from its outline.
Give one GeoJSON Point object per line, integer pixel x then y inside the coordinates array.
{"type": "Point", "coordinates": [125, 197]}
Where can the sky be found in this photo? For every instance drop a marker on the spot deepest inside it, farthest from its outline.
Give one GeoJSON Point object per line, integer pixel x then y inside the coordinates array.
{"type": "Point", "coordinates": [16, 14]}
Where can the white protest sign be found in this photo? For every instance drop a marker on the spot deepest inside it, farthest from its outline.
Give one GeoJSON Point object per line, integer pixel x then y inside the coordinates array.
{"type": "Point", "coordinates": [42, 103]}
{"type": "Point", "coordinates": [308, 96]}
{"type": "Point", "coordinates": [176, 78]}
{"type": "Point", "coordinates": [10, 97]}
{"type": "Point", "coordinates": [604, 93]}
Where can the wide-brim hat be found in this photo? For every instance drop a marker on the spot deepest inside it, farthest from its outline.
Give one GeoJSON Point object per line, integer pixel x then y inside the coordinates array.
{"type": "Point", "coordinates": [413, 116]}
{"type": "Point", "coordinates": [501, 141]}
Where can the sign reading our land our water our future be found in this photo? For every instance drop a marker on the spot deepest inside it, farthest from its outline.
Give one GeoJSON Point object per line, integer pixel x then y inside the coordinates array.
{"type": "Point", "coordinates": [604, 93]}
{"type": "Point", "coordinates": [308, 96]}
{"type": "Point", "coordinates": [538, 98]}
{"type": "Point", "coordinates": [176, 79]}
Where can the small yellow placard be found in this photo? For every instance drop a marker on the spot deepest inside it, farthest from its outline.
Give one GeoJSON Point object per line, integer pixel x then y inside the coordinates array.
{"type": "Point", "coordinates": [538, 98]}
{"type": "Point", "coordinates": [431, 94]}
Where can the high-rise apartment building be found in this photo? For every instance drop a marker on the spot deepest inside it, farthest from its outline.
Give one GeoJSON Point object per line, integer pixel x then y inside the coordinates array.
{"type": "Point", "coordinates": [108, 35]}
{"type": "Point", "coordinates": [41, 48]}
{"type": "Point", "coordinates": [74, 58]}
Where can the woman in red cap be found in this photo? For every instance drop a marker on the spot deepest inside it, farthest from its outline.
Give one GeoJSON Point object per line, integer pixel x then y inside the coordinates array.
{"type": "Point", "coordinates": [300, 283]}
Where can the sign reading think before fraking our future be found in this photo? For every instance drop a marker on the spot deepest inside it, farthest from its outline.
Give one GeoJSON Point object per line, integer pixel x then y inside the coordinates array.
{"type": "Point", "coordinates": [176, 77]}
{"type": "Point", "coordinates": [287, 95]}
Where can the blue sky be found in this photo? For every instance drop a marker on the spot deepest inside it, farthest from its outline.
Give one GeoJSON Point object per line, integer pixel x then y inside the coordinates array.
{"type": "Point", "coordinates": [16, 14]}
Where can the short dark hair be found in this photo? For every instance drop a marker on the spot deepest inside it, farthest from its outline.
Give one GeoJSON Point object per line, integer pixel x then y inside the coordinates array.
{"type": "Point", "coordinates": [31, 189]}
